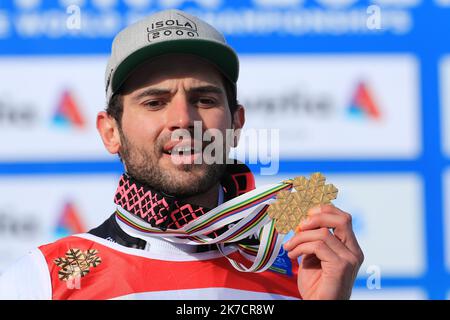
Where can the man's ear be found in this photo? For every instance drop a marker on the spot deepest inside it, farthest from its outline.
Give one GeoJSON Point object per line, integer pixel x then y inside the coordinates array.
{"type": "Point", "coordinates": [239, 117]}
{"type": "Point", "coordinates": [238, 123]}
{"type": "Point", "coordinates": [109, 132]}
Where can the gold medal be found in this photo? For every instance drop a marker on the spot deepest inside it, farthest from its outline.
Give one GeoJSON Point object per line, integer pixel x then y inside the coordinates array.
{"type": "Point", "coordinates": [290, 208]}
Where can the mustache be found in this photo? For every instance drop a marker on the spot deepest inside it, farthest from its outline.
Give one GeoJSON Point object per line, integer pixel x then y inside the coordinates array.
{"type": "Point", "coordinates": [165, 138]}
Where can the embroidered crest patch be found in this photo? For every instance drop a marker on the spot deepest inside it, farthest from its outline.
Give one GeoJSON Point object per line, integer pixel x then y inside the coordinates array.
{"type": "Point", "coordinates": [77, 263]}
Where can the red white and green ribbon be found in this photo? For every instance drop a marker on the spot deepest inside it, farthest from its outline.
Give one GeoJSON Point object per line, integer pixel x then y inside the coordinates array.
{"type": "Point", "coordinates": [245, 215]}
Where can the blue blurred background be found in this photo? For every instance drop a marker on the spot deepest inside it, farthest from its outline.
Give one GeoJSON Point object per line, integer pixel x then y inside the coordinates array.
{"type": "Point", "coordinates": [357, 89]}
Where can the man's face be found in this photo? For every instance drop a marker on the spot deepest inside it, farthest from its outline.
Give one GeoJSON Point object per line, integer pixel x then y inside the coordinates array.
{"type": "Point", "coordinates": [160, 97]}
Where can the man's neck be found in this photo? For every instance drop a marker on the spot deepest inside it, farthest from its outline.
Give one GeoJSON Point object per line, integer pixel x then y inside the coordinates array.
{"type": "Point", "coordinates": [208, 199]}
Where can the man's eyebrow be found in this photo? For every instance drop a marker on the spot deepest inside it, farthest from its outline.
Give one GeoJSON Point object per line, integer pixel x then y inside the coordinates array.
{"type": "Point", "coordinates": [159, 91]}
{"type": "Point", "coordinates": [207, 89]}
{"type": "Point", "coordinates": [151, 92]}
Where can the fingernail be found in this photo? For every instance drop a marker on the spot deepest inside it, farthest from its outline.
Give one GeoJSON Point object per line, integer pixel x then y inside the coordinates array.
{"type": "Point", "coordinates": [305, 221]}
{"type": "Point", "coordinates": [302, 224]}
{"type": "Point", "coordinates": [314, 210]}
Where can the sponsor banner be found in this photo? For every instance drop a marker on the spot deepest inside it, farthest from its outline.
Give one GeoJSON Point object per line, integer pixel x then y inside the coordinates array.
{"type": "Point", "coordinates": [89, 19]}
{"type": "Point", "coordinates": [404, 293]}
{"type": "Point", "coordinates": [35, 210]}
{"type": "Point", "coordinates": [346, 106]}
{"type": "Point", "coordinates": [328, 106]}
{"type": "Point", "coordinates": [388, 219]}
{"type": "Point", "coordinates": [48, 107]}
{"type": "Point", "coordinates": [445, 103]}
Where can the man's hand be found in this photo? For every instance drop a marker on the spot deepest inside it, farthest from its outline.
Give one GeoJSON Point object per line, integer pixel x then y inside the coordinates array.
{"type": "Point", "coordinates": [330, 261]}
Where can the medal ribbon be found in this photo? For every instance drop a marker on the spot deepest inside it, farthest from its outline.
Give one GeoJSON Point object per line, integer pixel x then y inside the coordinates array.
{"type": "Point", "coordinates": [244, 215]}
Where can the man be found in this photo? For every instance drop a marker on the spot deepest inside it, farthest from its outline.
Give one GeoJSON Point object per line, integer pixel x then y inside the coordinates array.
{"type": "Point", "coordinates": [165, 74]}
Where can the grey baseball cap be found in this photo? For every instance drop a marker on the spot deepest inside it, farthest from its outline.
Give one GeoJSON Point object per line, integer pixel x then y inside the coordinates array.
{"type": "Point", "coordinates": [169, 31]}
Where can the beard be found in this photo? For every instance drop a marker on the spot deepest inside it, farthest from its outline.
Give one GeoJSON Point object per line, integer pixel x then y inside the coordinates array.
{"type": "Point", "coordinates": [182, 180]}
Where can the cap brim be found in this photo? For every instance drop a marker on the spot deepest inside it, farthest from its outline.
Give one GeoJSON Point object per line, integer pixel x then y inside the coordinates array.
{"type": "Point", "coordinates": [223, 57]}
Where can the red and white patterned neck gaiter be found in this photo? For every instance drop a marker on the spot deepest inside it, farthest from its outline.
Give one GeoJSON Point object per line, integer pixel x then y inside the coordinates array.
{"type": "Point", "coordinates": [159, 210]}
{"type": "Point", "coordinates": [166, 212]}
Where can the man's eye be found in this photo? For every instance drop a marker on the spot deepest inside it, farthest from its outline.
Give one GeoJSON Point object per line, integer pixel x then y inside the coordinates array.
{"type": "Point", "coordinates": [206, 101]}
{"type": "Point", "coordinates": [154, 104]}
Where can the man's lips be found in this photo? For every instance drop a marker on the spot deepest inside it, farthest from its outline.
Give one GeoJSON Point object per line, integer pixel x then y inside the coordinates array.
{"type": "Point", "coordinates": [183, 147]}
{"type": "Point", "coordinates": [183, 152]}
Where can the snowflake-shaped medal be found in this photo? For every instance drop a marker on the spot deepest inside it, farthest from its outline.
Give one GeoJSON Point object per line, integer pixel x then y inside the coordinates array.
{"type": "Point", "coordinates": [291, 208]}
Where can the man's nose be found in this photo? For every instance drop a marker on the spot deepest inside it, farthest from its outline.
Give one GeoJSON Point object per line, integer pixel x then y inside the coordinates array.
{"type": "Point", "coordinates": [181, 114]}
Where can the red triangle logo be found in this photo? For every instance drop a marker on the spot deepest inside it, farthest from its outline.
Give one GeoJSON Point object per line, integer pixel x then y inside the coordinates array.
{"type": "Point", "coordinates": [363, 102]}
{"type": "Point", "coordinates": [68, 111]}
{"type": "Point", "coordinates": [69, 221]}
